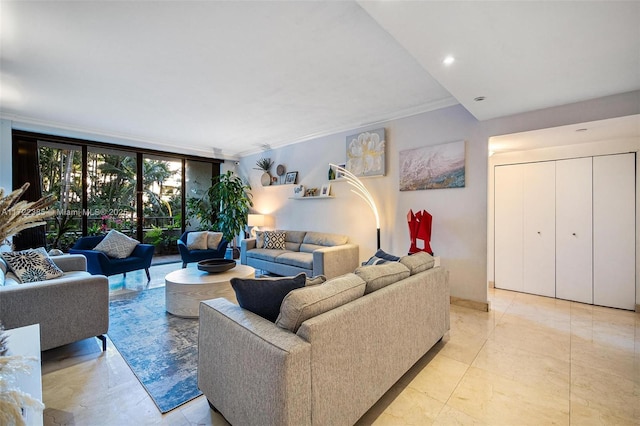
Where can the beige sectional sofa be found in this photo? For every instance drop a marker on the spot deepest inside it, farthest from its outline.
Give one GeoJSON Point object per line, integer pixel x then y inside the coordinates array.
{"type": "Point", "coordinates": [314, 253]}
{"type": "Point", "coordinates": [344, 344]}
{"type": "Point", "coordinates": [72, 307]}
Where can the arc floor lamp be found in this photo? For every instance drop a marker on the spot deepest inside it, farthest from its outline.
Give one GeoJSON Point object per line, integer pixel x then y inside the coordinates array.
{"type": "Point", "coordinates": [361, 191]}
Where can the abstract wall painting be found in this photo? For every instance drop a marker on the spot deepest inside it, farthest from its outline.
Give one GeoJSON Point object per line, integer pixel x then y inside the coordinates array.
{"type": "Point", "coordinates": [366, 153]}
{"type": "Point", "coordinates": [433, 167]}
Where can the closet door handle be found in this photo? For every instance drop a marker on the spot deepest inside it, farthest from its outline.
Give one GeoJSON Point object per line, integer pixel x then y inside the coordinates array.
{"type": "Point", "coordinates": [574, 234]}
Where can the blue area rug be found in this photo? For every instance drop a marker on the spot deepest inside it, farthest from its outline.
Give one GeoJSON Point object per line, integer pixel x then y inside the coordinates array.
{"type": "Point", "coordinates": [160, 348]}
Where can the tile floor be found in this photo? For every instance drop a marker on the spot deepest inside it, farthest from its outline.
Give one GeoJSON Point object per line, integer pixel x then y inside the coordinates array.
{"type": "Point", "coordinates": [530, 361]}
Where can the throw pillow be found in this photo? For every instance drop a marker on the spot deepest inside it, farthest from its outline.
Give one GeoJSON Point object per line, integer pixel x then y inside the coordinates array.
{"type": "Point", "coordinates": [197, 240]}
{"type": "Point", "coordinates": [213, 240]}
{"type": "Point", "coordinates": [260, 239]}
{"type": "Point", "coordinates": [32, 265]}
{"type": "Point", "coordinates": [274, 240]}
{"type": "Point", "coordinates": [263, 296]}
{"type": "Point", "coordinates": [117, 245]}
{"type": "Point", "coordinates": [374, 260]}
{"type": "Point", "coordinates": [379, 276]}
{"type": "Point", "coordinates": [318, 279]}
{"type": "Point", "coordinates": [381, 257]}
{"type": "Point", "coordinates": [418, 262]}
{"type": "Point", "coordinates": [386, 256]}
{"type": "Point", "coordinates": [302, 304]}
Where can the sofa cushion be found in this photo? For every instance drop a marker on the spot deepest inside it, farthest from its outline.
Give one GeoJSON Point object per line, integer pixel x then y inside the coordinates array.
{"type": "Point", "coordinates": [265, 254]}
{"type": "Point", "coordinates": [32, 265]}
{"type": "Point", "coordinates": [378, 276]}
{"type": "Point", "coordinates": [302, 304]}
{"type": "Point", "coordinates": [418, 262]}
{"type": "Point", "coordinates": [213, 240]}
{"type": "Point", "coordinates": [117, 245]}
{"type": "Point", "coordinates": [197, 240]}
{"type": "Point", "coordinates": [274, 240]}
{"type": "Point", "coordinates": [296, 258]}
{"type": "Point", "coordinates": [293, 239]}
{"type": "Point", "coordinates": [263, 296]}
{"type": "Point", "coordinates": [325, 239]}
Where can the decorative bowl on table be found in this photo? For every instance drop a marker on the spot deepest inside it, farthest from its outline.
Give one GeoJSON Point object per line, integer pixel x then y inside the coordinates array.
{"type": "Point", "coordinates": [213, 266]}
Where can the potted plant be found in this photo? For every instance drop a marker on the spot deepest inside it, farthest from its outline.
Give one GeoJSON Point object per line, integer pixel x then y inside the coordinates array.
{"type": "Point", "coordinates": [231, 199]}
{"type": "Point", "coordinates": [265, 164]}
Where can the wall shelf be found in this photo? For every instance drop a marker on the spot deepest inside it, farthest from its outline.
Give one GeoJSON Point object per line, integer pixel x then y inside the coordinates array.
{"type": "Point", "coordinates": [317, 197]}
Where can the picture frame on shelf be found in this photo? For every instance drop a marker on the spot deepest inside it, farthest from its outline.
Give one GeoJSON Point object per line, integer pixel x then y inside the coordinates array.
{"type": "Point", "coordinates": [325, 191]}
{"type": "Point", "coordinates": [290, 177]}
{"type": "Point", "coordinates": [298, 191]}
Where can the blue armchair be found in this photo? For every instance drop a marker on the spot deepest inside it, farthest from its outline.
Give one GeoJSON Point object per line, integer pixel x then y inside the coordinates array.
{"type": "Point", "coordinates": [198, 255]}
{"type": "Point", "coordinates": [100, 263]}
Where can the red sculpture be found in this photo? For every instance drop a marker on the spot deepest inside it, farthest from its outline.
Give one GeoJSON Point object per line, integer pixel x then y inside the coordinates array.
{"type": "Point", "coordinates": [420, 231]}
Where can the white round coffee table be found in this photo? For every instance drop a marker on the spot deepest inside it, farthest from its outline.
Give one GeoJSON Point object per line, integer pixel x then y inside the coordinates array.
{"type": "Point", "coordinates": [186, 288]}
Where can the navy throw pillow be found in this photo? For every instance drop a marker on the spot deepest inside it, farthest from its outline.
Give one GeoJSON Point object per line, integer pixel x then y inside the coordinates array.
{"type": "Point", "coordinates": [381, 257]}
{"type": "Point", "coordinates": [263, 296]}
{"type": "Point", "coordinates": [386, 256]}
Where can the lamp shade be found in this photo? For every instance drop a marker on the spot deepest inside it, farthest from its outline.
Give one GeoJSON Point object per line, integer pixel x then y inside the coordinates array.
{"type": "Point", "coordinates": [255, 220]}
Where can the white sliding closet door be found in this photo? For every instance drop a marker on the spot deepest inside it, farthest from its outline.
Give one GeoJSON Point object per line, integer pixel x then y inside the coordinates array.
{"type": "Point", "coordinates": [508, 227]}
{"type": "Point", "coordinates": [574, 276]}
{"type": "Point", "coordinates": [539, 205]}
{"type": "Point", "coordinates": [614, 232]}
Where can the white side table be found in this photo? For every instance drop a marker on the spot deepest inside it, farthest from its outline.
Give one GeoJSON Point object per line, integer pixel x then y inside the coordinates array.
{"type": "Point", "coordinates": [26, 341]}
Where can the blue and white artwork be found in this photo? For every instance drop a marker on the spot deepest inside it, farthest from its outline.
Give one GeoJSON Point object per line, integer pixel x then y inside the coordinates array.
{"type": "Point", "coordinates": [433, 167]}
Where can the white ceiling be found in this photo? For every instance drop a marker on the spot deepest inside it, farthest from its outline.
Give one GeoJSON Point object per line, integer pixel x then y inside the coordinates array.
{"type": "Point", "coordinates": [230, 78]}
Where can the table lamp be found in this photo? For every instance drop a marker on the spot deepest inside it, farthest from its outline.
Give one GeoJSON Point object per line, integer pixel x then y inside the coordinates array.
{"type": "Point", "coordinates": [253, 222]}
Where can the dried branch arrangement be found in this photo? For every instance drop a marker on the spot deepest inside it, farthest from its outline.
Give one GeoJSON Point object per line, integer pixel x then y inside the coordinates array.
{"type": "Point", "coordinates": [16, 215]}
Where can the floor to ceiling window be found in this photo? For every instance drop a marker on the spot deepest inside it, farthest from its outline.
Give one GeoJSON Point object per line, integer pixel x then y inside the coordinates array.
{"type": "Point", "coordinates": [111, 192]}
{"type": "Point", "coordinates": [162, 202]}
{"type": "Point", "coordinates": [99, 187]}
{"type": "Point", "coordinates": [61, 176]}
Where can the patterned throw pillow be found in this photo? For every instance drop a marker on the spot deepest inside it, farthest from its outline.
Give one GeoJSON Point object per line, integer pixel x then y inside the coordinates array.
{"type": "Point", "coordinates": [32, 265]}
{"type": "Point", "coordinates": [213, 240]}
{"type": "Point", "coordinates": [274, 240]}
{"type": "Point", "coordinates": [117, 245]}
{"type": "Point", "coordinates": [197, 240]}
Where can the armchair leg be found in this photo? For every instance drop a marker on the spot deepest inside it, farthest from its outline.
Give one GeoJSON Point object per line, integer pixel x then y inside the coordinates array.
{"type": "Point", "coordinates": [103, 339]}
{"type": "Point", "coordinates": [148, 275]}
{"type": "Point", "coordinates": [124, 274]}
{"type": "Point", "coordinates": [184, 265]}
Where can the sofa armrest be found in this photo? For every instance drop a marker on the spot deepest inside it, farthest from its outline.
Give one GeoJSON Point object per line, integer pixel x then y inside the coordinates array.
{"type": "Point", "coordinates": [252, 371]}
{"type": "Point", "coordinates": [246, 244]}
{"type": "Point", "coordinates": [67, 308]}
{"type": "Point", "coordinates": [97, 261]}
{"type": "Point", "coordinates": [335, 261]}
{"type": "Point", "coordinates": [70, 262]}
{"type": "Point", "coordinates": [144, 251]}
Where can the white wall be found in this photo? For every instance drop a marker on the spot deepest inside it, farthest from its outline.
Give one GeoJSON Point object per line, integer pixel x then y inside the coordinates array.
{"type": "Point", "coordinates": [459, 214]}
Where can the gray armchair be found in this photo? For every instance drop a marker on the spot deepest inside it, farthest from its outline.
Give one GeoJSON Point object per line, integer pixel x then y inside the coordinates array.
{"type": "Point", "coordinates": [70, 308]}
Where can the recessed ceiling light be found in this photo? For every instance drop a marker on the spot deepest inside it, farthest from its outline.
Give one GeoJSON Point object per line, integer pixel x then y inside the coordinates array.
{"type": "Point", "coordinates": [479, 98]}
{"type": "Point", "coordinates": [449, 60]}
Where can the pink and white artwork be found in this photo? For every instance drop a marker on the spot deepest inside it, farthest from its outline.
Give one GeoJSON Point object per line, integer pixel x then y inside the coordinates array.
{"type": "Point", "coordinates": [433, 167]}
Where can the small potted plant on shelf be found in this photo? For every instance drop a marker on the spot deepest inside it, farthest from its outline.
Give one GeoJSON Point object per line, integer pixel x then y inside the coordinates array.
{"type": "Point", "coordinates": [265, 164]}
